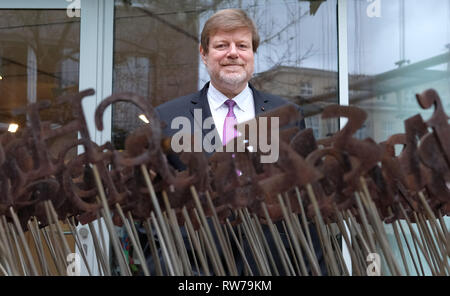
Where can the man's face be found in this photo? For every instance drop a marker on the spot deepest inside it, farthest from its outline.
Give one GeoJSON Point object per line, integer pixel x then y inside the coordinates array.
{"type": "Point", "coordinates": [230, 59]}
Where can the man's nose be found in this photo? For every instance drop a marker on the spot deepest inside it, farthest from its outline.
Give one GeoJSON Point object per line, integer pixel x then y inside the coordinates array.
{"type": "Point", "coordinates": [233, 52]}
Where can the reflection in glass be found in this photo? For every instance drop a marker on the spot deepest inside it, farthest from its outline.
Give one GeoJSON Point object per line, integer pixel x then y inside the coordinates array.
{"type": "Point", "coordinates": [404, 51]}
{"type": "Point", "coordinates": [392, 57]}
{"type": "Point", "coordinates": [39, 60]}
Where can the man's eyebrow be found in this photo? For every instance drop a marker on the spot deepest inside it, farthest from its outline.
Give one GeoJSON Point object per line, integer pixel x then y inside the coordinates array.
{"type": "Point", "coordinates": [220, 40]}
{"type": "Point", "coordinates": [226, 40]}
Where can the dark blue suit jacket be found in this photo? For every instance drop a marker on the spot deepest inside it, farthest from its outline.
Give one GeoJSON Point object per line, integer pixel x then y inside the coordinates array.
{"type": "Point", "coordinates": [185, 106]}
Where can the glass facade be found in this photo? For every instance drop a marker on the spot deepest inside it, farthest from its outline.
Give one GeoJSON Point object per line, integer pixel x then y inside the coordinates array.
{"type": "Point", "coordinates": [39, 60]}
{"type": "Point", "coordinates": [396, 50]}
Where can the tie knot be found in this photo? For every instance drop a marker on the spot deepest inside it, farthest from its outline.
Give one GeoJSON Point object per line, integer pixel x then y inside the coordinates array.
{"type": "Point", "coordinates": [230, 104]}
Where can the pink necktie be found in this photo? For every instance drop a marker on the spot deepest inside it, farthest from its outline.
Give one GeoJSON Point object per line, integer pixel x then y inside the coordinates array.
{"type": "Point", "coordinates": [229, 132]}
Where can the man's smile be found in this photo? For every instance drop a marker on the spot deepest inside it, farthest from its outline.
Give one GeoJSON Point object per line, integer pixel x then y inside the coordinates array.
{"type": "Point", "coordinates": [231, 65]}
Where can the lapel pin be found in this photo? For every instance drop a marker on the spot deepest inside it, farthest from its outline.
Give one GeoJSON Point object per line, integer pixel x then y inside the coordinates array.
{"type": "Point", "coordinates": [263, 109]}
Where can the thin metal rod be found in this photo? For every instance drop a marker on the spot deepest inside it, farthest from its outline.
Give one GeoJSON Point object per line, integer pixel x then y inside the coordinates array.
{"type": "Point", "coordinates": [299, 267]}
{"type": "Point", "coordinates": [225, 247]}
{"type": "Point", "coordinates": [343, 231]}
{"type": "Point", "coordinates": [288, 268]}
{"type": "Point", "coordinates": [39, 248]}
{"type": "Point", "coordinates": [192, 250]}
{"type": "Point", "coordinates": [124, 267]}
{"type": "Point", "coordinates": [304, 221]}
{"type": "Point", "coordinates": [238, 245]}
{"type": "Point", "coordinates": [365, 223]}
{"type": "Point", "coordinates": [23, 266]}
{"type": "Point", "coordinates": [417, 241]}
{"type": "Point", "coordinates": [58, 228]}
{"type": "Point", "coordinates": [138, 241]}
{"type": "Point", "coordinates": [209, 245]}
{"type": "Point", "coordinates": [152, 246]}
{"type": "Point", "coordinates": [179, 243]}
{"type": "Point", "coordinates": [205, 223]}
{"type": "Point", "coordinates": [79, 245]}
{"type": "Point", "coordinates": [321, 230]}
{"type": "Point", "coordinates": [162, 225]}
{"type": "Point", "coordinates": [103, 244]}
{"type": "Point", "coordinates": [196, 242]}
{"type": "Point", "coordinates": [134, 242]}
{"type": "Point", "coordinates": [266, 245]}
{"type": "Point", "coordinates": [431, 215]}
{"type": "Point", "coordinates": [441, 245]}
{"type": "Point", "coordinates": [163, 245]}
{"type": "Point", "coordinates": [358, 240]}
{"type": "Point", "coordinates": [411, 255]}
{"type": "Point", "coordinates": [53, 252]}
{"type": "Point", "coordinates": [291, 233]}
{"type": "Point", "coordinates": [439, 263]}
{"type": "Point", "coordinates": [399, 244]}
{"type": "Point", "coordinates": [3, 270]}
{"type": "Point", "coordinates": [423, 239]}
{"type": "Point", "coordinates": [98, 250]}
{"type": "Point", "coordinates": [252, 244]}
{"type": "Point", "coordinates": [24, 242]}
{"type": "Point", "coordinates": [177, 236]}
{"type": "Point", "coordinates": [339, 255]}
{"type": "Point", "coordinates": [7, 244]}
{"type": "Point", "coordinates": [55, 239]}
{"type": "Point", "coordinates": [378, 225]}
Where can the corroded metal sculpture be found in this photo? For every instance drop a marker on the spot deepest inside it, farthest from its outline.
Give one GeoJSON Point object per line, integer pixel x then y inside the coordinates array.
{"type": "Point", "coordinates": [355, 186]}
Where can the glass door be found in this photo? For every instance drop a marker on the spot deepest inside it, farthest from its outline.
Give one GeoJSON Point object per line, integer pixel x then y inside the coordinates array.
{"type": "Point", "coordinates": [51, 48]}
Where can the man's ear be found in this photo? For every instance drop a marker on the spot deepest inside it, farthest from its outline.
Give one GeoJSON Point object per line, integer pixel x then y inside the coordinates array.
{"type": "Point", "coordinates": [202, 54]}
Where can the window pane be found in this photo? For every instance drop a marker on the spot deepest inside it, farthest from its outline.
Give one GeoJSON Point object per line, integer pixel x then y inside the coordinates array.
{"type": "Point", "coordinates": [156, 54]}
{"type": "Point", "coordinates": [397, 50]}
{"type": "Point", "coordinates": [392, 57]}
{"type": "Point", "coordinates": [39, 60]}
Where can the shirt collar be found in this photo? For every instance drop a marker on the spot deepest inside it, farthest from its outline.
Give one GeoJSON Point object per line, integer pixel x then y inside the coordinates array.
{"type": "Point", "coordinates": [217, 99]}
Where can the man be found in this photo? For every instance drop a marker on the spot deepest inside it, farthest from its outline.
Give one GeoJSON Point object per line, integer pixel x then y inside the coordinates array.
{"type": "Point", "coordinates": [229, 41]}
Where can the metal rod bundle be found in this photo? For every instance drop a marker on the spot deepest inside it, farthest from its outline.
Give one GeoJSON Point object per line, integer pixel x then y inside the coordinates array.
{"type": "Point", "coordinates": [388, 209]}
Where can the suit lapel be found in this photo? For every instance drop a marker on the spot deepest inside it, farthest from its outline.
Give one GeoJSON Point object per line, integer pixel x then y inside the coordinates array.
{"type": "Point", "coordinates": [200, 102]}
{"type": "Point", "coordinates": [261, 102]}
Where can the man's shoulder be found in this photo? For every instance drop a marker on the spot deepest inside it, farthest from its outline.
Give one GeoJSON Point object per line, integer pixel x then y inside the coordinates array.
{"type": "Point", "coordinates": [173, 104]}
{"type": "Point", "coordinates": [278, 101]}
{"type": "Point", "coordinates": [180, 106]}
{"type": "Point", "coordinates": [275, 100]}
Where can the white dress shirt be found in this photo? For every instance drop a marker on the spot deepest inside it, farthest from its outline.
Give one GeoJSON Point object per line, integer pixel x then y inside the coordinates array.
{"type": "Point", "coordinates": [244, 108]}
